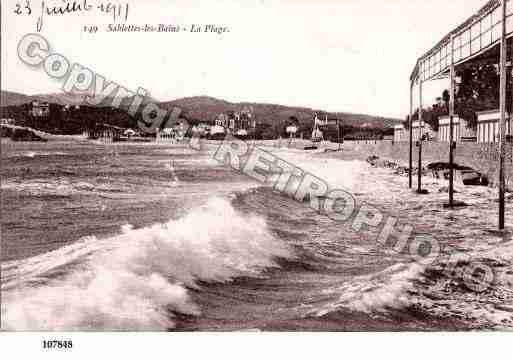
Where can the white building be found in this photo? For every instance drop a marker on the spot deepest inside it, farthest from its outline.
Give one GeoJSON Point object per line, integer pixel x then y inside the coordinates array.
{"type": "Point", "coordinates": [291, 130]}
{"type": "Point", "coordinates": [7, 121]}
{"type": "Point", "coordinates": [444, 129]}
{"type": "Point", "coordinates": [166, 135]}
{"type": "Point", "coordinates": [462, 131]}
{"type": "Point", "coordinates": [488, 126]}
{"type": "Point", "coordinates": [201, 129]}
{"type": "Point", "coordinates": [400, 134]}
{"type": "Point", "coordinates": [427, 131]}
{"type": "Point", "coordinates": [40, 109]}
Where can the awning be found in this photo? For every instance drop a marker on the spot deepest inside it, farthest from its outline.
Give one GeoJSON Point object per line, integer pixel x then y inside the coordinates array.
{"type": "Point", "coordinates": [476, 36]}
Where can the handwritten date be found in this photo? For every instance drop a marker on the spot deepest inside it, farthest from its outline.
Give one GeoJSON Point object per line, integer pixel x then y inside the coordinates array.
{"type": "Point", "coordinates": [118, 11]}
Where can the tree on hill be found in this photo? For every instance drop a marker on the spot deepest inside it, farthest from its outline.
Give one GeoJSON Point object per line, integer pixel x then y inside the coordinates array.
{"type": "Point", "coordinates": [70, 120]}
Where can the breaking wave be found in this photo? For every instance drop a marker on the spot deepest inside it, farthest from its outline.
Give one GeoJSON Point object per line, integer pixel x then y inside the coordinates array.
{"type": "Point", "coordinates": [378, 292]}
{"type": "Point", "coordinates": [140, 278]}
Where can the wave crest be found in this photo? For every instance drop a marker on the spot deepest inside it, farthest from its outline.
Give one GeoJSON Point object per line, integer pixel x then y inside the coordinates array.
{"type": "Point", "coordinates": [135, 280]}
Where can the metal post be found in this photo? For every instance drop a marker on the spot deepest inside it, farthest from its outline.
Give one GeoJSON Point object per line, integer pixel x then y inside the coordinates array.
{"type": "Point", "coordinates": [451, 130]}
{"type": "Point", "coordinates": [419, 169]}
{"type": "Point", "coordinates": [410, 174]}
{"type": "Point", "coordinates": [338, 133]}
{"type": "Point", "coordinates": [503, 79]}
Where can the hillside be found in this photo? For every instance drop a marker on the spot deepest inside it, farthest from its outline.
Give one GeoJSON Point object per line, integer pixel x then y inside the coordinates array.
{"type": "Point", "coordinates": [271, 118]}
{"type": "Point", "coordinates": [71, 121]}
{"type": "Point", "coordinates": [206, 108]}
{"type": "Point", "coordinates": [62, 99]}
{"type": "Point", "coordinates": [8, 98]}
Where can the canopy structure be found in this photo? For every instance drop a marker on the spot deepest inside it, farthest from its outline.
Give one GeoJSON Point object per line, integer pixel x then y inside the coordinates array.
{"type": "Point", "coordinates": [483, 38]}
{"type": "Point", "coordinates": [477, 39]}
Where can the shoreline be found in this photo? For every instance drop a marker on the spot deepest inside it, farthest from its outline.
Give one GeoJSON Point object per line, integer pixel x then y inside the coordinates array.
{"type": "Point", "coordinates": [348, 151]}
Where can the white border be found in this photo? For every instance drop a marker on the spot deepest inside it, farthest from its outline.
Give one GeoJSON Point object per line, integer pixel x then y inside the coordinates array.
{"type": "Point", "coordinates": [260, 345]}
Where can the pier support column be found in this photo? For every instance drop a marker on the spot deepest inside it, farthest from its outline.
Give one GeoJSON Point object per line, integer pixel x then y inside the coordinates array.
{"type": "Point", "coordinates": [502, 127]}
{"type": "Point", "coordinates": [419, 169]}
{"type": "Point", "coordinates": [410, 174]}
{"type": "Point", "coordinates": [451, 130]}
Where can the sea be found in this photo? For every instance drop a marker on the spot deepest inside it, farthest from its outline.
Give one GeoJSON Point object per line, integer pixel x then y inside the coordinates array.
{"type": "Point", "coordinates": [149, 237]}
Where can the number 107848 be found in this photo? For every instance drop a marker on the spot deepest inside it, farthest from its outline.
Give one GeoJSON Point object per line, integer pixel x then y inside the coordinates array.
{"type": "Point", "coordinates": [57, 344]}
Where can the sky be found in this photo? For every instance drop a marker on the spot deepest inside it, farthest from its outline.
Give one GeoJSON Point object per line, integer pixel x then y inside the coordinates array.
{"type": "Point", "coordinates": [334, 55]}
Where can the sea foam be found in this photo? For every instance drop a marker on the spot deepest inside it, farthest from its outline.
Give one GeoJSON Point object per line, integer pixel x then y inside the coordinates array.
{"type": "Point", "coordinates": [139, 278]}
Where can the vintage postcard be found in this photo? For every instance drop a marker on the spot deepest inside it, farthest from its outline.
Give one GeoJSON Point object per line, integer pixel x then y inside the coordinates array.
{"type": "Point", "coordinates": [256, 166]}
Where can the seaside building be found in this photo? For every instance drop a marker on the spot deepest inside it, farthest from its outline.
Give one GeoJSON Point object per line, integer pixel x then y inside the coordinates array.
{"type": "Point", "coordinates": [235, 123]}
{"type": "Point", "coordinates": [129, 133]}
{"type": "Point", "coordinates": [488, 126]}
{"type": "Point", "coordinates": [444, 129]}
{"type": "Point", "coordinates": [7, 121]}
{"type": "Point", "coordinates": [201, 129]}
{"type": "Point", "coordinates": [222, 120]}
{"type": "Point", "coordinates": [39, 109]}
{"type": "Point", "coordinates": [462, 132]}
{"type": "Point", "coordinates": [428, 133]}
{"type": "Point", "coordinates": [400, 134]}
{"type": "Point", "coordinates": [165, 135]}
{"type": "Point", "coordinates": [106, 133]}
{"type": "Point", "coordinates": [292, 131]}
{"type": "Point", "coordinates": [242, 122]}
{"type": "Point", "coordinates": [220, 126]}
{"type": "Point", "coordinates": [172, 132]}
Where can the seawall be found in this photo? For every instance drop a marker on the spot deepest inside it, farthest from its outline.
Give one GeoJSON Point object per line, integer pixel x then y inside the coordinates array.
{"type": "Point", "coordinates": [482, 157]}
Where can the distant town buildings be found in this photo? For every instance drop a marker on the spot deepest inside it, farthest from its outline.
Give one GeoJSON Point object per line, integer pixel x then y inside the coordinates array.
{"type": "Point", "coordinates": [238, 123]}
{"type": "Point", "coordinates": [7, 121]}
{"type": "Point", "coordinates": [172, 132]}
{"type": "Point", "coordinates": [39, 109]}
{"type": "Point", "coordinates": [105, 133]}
{"type": "Point", "coordinates": [222, 120]}
{"type": "Point", "coordinates": [241, 122]}
{"type": "Point", "coordinates": [201, 130]}
{"type": "Point", "coordinates": [292, 130]}
{"type": "Point", "coordinates": [166, 135]}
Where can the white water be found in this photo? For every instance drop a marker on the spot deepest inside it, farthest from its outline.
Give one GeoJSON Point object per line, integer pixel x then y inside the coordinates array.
{"type": "Point", "coordinates": [133, 281]}
{"type": "Point", "coordinates": [394, 287]}
{"type": "Point", "coordinates": [343, 175]}
{"type": "Point", "coordinates": [376, 292]}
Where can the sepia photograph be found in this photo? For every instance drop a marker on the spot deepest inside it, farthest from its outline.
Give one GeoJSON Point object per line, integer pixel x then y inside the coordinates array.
{"type": "Point", "coordinates": [249, 166]}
